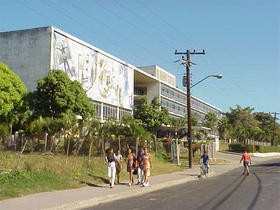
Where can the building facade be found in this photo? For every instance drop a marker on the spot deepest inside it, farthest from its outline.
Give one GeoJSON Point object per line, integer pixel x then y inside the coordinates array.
{"type": "Point", "coordinates": [171, 97]}
{"type": "Point", "coordinates": [113, 85]}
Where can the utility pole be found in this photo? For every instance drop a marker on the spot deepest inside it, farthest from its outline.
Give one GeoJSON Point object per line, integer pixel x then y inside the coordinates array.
{"type": "Point", "coordinates": [188, 64]}
{"type": "Point", "coordinates": [274, 127]}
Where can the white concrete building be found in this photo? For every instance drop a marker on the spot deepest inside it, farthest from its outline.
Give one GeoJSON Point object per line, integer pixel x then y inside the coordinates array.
{"type": "Point", "coordinates": [113, 85]}
{"type": "Point", "coordinates": [163, 86]}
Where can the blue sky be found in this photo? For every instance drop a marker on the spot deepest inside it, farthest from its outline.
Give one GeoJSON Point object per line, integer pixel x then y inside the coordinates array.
{"type": "Point", "coordinates": [241, 39]}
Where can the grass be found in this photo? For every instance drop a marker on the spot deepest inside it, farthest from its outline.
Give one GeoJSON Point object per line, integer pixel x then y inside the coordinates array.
{"type": "Point", "coordinates": [33, 173]}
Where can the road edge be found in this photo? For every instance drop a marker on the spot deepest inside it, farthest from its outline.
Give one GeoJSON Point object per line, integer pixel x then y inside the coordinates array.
{"type": "Point", "coordinates": [137, 192]}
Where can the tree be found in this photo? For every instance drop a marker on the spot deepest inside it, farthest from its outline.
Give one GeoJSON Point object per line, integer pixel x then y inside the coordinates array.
{"type": "Point", "coordinates": [211, 120]}
{"type": "Point", "coordinates": [243, 122]}
{"type": "Point", "coordinates": [61, 100]}
{"type": "Point", "coordinates": [93, 129]}
{"type": "Point", "coordinates": [12, 89]}
{"type": "Point", "coordinates": [266, 122]}
{"type": "Point", "coordinates": [133, 128]}
{"type": "Point", "coordinates": [56, 94]}
{"type": "Point", "coordinates": [152, 115]}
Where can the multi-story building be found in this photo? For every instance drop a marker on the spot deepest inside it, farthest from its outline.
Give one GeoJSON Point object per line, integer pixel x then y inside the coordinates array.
{"type": "Point", "coordinates": [113, 85]}
{"type": "Point", "coordinates": [162, 84]}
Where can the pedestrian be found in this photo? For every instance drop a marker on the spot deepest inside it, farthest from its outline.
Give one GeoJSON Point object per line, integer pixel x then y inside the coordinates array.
{"type": "Point", "coordinates": [146, 166]}
{"type": "Point", "coordinates": [205, 160]}
{"type": "Point", "coordinates": [130, 158]}
{"type": "Point", "coordinates": [246, 158]}
{"type": "Point", "coordinates": [118, 165]}
{"type": "Point", "coordinates": [140, 172]}
{"type": "Point", "coordinates": [110, 160]}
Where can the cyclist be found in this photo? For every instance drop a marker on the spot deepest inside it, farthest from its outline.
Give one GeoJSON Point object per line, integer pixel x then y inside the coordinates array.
{"type": "Point", "coordinates": [246, 158]}
{"type": "Point", "coordinates": [205, 160]}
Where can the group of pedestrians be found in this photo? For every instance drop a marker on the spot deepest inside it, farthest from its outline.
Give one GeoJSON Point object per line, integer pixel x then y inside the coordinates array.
{"type": "Point", "coordinates": [139, 165]}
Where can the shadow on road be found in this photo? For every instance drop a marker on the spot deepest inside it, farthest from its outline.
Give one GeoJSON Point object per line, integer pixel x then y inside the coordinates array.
{"type": "Point", "coordinates": [266, 165]}
{"type": "Point", "coordinates": [253, 203]}
{"type": "Point", "coordinates": [206, 204]}
{"type": "Point", "coordinates": [230, 193]}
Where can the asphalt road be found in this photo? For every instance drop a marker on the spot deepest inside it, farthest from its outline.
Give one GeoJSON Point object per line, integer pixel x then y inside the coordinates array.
{"type": "Point", "coordinates": [260, 190]}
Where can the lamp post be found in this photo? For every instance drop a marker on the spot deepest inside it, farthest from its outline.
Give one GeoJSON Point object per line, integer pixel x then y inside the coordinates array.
{"type": "Point", "coordinates": [218, 76]}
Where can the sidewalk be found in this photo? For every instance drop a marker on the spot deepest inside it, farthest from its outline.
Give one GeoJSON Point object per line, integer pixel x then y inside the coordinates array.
{"type": "Point", "coordinates": [93, 195]}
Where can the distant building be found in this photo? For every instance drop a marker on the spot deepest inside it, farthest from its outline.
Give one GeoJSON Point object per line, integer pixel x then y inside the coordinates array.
{"type": "Point", "coordinates": [114, 85]}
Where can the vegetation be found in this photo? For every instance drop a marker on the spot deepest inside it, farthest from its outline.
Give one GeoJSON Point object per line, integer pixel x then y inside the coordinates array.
{"type": "Point", "coordinates": [12, 90]}
{"type": "Point", "coordinates": [22, 175]}
{"type": "Point", "coordinates": [58, 118]}
{"type": "Point", "coordinates": [240, 147]}
{"type": "Point", "coordinates": [242, 124]}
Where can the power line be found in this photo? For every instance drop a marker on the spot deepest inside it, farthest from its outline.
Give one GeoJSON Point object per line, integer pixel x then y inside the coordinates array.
{"type": "Point", "coordinates": [110, 28]}
{"type": "Point", "coordinates": [130, 23]}
{"type": "Point", "coordinates": [153, 26]}
{"type": "Point", "coordinates": [166, 22]}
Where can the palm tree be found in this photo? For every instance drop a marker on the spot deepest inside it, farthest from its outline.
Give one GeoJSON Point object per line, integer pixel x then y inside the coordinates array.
{"type": "Point", "coordinates": [93, 131]}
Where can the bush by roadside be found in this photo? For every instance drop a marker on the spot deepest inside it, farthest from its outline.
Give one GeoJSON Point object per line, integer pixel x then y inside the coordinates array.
{"type": "Point", "coordinates": [239, 147]}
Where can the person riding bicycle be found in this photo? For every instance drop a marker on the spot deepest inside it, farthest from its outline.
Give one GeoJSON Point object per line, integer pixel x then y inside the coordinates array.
{"type": "Point", "coordinates": [205, 160]}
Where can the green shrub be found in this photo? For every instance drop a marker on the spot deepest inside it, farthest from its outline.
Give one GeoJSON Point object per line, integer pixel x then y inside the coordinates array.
{"type": "Point", "coordinates": [161, 153]}
{"type": "Point", "coordinates": [224, 146]}
{"type": "Point", "coordinates": [10, 176]}
{"type": "Point", "coordinates": [239, 147]}
{"type": "Point", "coordinates": [263, 149]}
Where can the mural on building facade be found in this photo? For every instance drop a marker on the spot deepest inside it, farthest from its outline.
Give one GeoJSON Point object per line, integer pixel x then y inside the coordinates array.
{"type": "Point", "coordinates": [103, 78]}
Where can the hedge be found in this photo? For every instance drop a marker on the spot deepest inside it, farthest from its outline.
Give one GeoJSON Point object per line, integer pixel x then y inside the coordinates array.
{"type": "Point", "coordinates": [239, 147]}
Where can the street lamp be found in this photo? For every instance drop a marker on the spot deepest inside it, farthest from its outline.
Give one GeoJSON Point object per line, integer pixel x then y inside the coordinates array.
{"type": "Point", "coordinates": [218, 76]}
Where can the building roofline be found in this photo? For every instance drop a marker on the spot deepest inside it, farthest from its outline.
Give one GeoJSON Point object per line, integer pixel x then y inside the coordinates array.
{"type": "Point", "coordinates": [76, 39]}
{"type": "Point", "coordinates": [158, 67]}
{"type": "Point", "coordinates": [26, 29]}
{"type": "Point", "coordinates": [86, 44]}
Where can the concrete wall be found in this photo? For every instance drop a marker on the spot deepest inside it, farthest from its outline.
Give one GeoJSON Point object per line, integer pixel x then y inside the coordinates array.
{"type": "Point", "coordinates": [153, 90]}
{"type": "Point", "coordinates": [27, 53]}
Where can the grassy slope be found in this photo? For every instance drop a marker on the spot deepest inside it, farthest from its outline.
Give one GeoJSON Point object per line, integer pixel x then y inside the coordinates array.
{"type": "Point", "coordinates": [32, 173]}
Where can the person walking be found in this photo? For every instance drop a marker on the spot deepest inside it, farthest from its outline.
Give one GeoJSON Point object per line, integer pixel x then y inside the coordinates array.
{"type": "Point", "coordinates": [146, 166]}
{"type": "Point", "coordinates": [140, 173]}
{"type": "Point", "coordinates": [118, 165]}
{"type": "Point", "coordinates": [110, 160]}
{"type": "Point", "coordinates": [130, 158]}
{"type": "Point", "coordinates": [246, 158]}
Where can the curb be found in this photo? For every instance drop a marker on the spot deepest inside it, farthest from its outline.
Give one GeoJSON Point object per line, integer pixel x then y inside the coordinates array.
{"type": "Point", "coordinates": [136, 192]}
{"type": "Point", "coordinates": [117, 196]}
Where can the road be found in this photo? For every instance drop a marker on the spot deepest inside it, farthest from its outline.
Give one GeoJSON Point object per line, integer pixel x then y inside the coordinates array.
{"type": "Point", "coordinates": [260, 190]}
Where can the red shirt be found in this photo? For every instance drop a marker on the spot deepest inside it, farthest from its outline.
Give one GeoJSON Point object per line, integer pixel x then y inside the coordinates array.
{"type": "Point", "coordinates": [246, 157]}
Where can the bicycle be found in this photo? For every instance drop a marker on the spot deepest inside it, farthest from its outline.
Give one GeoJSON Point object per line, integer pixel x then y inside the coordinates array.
{"type": "Point", "coordinates": [204, 170]}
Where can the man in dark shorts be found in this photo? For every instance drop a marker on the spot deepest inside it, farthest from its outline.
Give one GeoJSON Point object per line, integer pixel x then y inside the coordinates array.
{"type": "Point", "coordinates": [205, 160]}
{"type": "Point", "coordinates": [246, 158]}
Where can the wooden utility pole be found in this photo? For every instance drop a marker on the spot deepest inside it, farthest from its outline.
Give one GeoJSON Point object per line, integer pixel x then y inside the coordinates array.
{"type": "Point", "coordinates": [188, 64]}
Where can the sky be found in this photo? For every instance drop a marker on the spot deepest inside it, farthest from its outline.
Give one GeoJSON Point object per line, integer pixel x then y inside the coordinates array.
{"type": "Point", "coordinates": [241, 39]}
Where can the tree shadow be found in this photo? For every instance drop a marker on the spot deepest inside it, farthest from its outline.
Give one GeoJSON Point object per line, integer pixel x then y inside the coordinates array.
{"type": "Point", "coordinates": [90, 184]}
{"type": "Point", "coordinates": [253, 203]}
{"type": "Point", "coordinates": [105, 181]}
{"type": "Point", "coordinates": [222, 191]}
{"type": "Point", "coordinates": [266, 165]}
